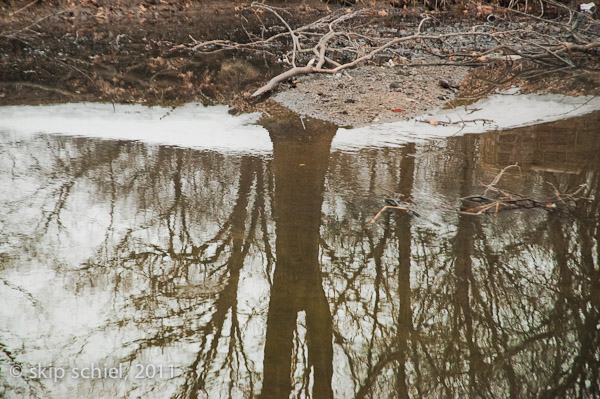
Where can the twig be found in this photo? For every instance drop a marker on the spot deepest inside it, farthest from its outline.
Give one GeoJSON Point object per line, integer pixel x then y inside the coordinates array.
{"type": "Point", "coordinates": [295, 40]}
{"type": "Point", "coordinates": [461, 122]}
{"type": "Point", "coordinates": [425, 19]}
{"type": "Point", "coordinates": [557, 193]}
{"type": "Point", "coordinates": [40, 87]}
{"type": "Point", "coordinates": [12, 33]}
{"type": "Point", "coordinates": [492, 185]}
{"type": "Point", "coordinates": [23, 8]}
{"type": "Point", "coordinates": [383, 210]}
{"type": "Point", "coordinates": [553, 53]}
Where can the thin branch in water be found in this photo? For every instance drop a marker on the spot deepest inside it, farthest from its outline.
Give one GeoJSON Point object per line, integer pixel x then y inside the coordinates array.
{"type": "Point", "coordinates": [383, 210]}
{"type": "Point", "coordinates": [492, 185]}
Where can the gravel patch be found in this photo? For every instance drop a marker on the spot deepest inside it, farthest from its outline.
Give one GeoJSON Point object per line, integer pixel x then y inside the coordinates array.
{"type": "Point", "coordinates": [374, 94]}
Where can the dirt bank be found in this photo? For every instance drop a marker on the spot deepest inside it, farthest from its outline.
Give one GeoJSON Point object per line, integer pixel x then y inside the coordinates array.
{"type": "Point", "coordinates": [373, 94]}
{"type": "Point", "coordinates": [380, 94]}
{"type": "Point", "coordinates": [128, 51]}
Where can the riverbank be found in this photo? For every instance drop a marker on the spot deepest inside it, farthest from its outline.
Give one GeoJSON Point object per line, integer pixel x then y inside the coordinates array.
{"type": "Point", "coordinates": [152, 54]}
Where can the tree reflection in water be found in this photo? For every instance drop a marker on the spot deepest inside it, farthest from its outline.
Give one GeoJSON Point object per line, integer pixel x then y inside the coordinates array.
{"type": "Point", "coordinates": [300, 158]}
{"type": "Point", "coordinates": [257, 278]}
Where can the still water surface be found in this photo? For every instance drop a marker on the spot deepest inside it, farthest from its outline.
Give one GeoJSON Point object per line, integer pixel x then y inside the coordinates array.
{"type": "Point", "coordinates": [207, 274]}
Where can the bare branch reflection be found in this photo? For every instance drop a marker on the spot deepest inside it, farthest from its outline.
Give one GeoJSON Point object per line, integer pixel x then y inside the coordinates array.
{"type": "Point", "coordinates": [255, 276]}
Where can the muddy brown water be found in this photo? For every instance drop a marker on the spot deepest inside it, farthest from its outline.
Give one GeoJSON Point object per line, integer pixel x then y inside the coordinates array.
{"type": "Point", "coordinates": [198, 274]}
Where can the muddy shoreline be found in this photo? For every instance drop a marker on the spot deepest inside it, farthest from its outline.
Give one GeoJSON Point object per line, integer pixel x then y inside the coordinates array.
{"type": "Point", "coordinates": [130, 52]}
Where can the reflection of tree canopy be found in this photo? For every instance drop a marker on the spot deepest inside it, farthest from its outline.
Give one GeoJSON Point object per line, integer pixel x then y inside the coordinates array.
{"type": "Point", "coordinates": [434, 305]}
{"type": "Point", "coordinates": [179, 230]}
{"type": "Point", "coordinates": [499, 307]}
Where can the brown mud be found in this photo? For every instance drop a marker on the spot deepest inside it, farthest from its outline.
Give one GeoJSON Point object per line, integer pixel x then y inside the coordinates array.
{"type": "Point", "coordinates": [120, 52]}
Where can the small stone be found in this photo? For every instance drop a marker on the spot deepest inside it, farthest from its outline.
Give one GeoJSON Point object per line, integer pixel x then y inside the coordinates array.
{"type": "Point", "coordinates": [444, 84]}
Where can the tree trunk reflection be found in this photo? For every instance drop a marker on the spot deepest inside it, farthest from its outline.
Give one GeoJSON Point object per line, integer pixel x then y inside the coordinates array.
{"type": "Point", "coordinates": [403, 232]}
{"type": "Point", "coordinates": [300, 164]}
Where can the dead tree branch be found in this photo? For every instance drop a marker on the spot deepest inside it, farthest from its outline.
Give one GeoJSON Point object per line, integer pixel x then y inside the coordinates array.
{"type": "Point", "coordinates": [504, 200]}
{"type": "Point", "coordinates": [332, 37]}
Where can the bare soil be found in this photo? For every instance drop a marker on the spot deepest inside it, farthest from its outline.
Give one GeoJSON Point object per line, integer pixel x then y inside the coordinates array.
{"type": "Point", "coordinates": [373, 94]}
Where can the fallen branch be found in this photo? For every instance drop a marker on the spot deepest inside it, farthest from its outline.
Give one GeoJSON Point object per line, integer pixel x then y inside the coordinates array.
{"type": "Point", "coordinates": [358, 47]}
{"type": "Point", "coordinates": [504, 204]}
{"type": "Point", "coordinates": [510, 201]}
{"type": "Point", "coordinates": [321, 48]}
{"type": "Point", "coordinates": [383, 210]}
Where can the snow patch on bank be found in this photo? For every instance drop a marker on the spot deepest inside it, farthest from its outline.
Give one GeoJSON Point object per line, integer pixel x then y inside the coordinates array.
{"type": "Point", "coordinates": [192, 125]}
{"type": "Point", "coordinates": [212, 128]}
{"type": "Point", "coordinates": [501, 111]}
